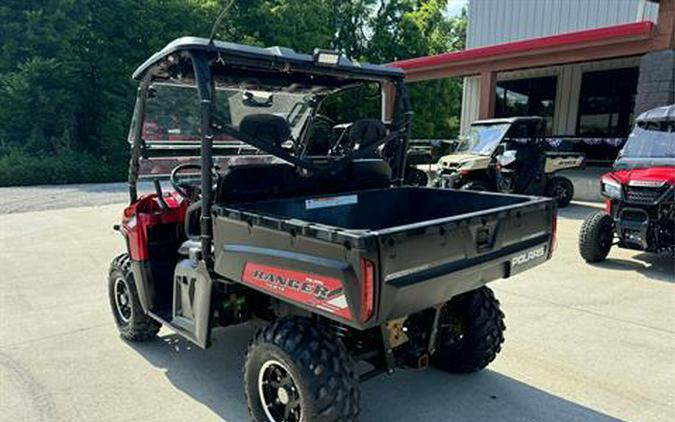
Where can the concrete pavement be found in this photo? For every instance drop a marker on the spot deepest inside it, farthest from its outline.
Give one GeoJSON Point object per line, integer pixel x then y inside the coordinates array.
{"type": "Point", "coordinates": [18, 199]}
{"type": "Point", "coordinates": [583, 342]}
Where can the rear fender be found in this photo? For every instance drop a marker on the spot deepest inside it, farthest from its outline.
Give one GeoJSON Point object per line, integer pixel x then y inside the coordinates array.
{"type": "Point", "coordinates": [137, 219]}
{"type": "Point", "coordinates": [139, 273]}
{"type": "Point", "coordinates": [143, 284]}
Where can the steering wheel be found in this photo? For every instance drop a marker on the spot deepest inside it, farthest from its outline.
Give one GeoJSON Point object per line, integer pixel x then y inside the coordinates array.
{"type": "Point", "coordinates": [190, 190]}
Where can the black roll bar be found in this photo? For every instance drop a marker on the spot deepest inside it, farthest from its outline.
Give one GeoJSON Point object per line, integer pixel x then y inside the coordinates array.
{"type": "Point", "coordinates": [137, 137]}
{"type": "Point", "coordinates": [205, 88]}
{"type": "Point", "coordinates": [403, 124]}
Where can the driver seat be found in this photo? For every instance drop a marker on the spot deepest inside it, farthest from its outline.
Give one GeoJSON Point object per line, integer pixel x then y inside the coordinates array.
{"type": "Point", "coordinates": [366, 132]}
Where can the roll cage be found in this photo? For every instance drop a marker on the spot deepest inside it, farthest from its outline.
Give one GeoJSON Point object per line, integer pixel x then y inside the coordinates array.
{"type": "Point", "coordinates": [279, 68]}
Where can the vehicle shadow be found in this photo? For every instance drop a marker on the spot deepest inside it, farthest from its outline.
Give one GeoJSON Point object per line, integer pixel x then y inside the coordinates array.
{"type": "Point", "coordinates": [213, 377]}
{"type": "Point", "coordinates": [657, 267]}
{"type": "Point", "coordinates": [578, 210]}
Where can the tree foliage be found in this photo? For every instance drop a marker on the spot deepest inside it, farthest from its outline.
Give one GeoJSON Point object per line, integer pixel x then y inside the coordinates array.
{"type": "Point", "coordinates": [65, 65]}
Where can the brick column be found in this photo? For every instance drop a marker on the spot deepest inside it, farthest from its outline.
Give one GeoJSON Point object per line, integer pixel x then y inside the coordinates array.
{"type": "Point", "coordinates": [388, 101]}
{"type": "Point", "coordinates": [656, 85]}
{"type": "Point", "coordinates": [488, 86]}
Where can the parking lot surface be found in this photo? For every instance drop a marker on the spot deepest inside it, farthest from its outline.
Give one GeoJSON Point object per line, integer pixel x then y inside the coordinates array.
{"type": "Point", "coordinates": [584, 342]}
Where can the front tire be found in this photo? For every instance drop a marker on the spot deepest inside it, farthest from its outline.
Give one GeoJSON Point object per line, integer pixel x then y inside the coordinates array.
{"type": "Point", "coordinates": [295, 371]}
{"type": "Point", "coordinates": [475, 185]}
{"type": "Point", "coordinates": [415, 177]}
{"type": "Point", "coordinates": [132, 322]}
{"type": "Point", "coordinates": [596, 236]}
{"type": "Point", "coordinates": [471, 332]}
{"type": "Point", "coordinates": [562, 190]}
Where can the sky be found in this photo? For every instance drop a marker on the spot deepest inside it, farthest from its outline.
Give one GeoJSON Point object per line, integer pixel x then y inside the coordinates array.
{"type": "Point", "coordinates": [455, 6]}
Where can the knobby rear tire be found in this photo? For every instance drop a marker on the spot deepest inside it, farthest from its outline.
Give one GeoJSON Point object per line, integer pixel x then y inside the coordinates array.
{"type": "Point", "coordinates": [479, 338]}
{"type": "Point", "coordinates": [318, 363]}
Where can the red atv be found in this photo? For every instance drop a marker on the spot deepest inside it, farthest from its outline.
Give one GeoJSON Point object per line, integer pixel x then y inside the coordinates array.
{"type": "Point", "coordinates": [639, 211]}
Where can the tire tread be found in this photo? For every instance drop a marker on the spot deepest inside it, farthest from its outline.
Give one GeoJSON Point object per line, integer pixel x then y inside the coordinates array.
{"type": "Point", "coordinates": [589, 235]}
{"type": "Point", "coordinates": [327, 368]}
{"type": "Point", "coordinates": [141, 327]}
{"type": "Point", "coordinates": [484, 333]}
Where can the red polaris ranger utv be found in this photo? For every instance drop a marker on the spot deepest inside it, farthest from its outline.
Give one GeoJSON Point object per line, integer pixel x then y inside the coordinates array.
{"type": "Point", "coordinates": [269, 221]}
{"type": "Point", "coordinates": [639, 207]}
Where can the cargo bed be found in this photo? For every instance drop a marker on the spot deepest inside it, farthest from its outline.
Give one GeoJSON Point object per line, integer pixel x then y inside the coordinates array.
{"type": "Point", "coordinates": [426, 244]}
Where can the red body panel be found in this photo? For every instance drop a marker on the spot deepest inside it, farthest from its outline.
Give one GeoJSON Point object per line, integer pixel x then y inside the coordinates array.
{"type": "Point", "coordinates": [649, 174]}
{"type": "Point", "coordinates": [146, 212]}
{"type": "Point", "coordinates": [319, 291]}
{"type": "Point", "coordinates": [657, 174]}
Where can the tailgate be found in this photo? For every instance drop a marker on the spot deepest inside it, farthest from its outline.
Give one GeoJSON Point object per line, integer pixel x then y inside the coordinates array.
{"type": "Point", "coordinates": [424, 264]}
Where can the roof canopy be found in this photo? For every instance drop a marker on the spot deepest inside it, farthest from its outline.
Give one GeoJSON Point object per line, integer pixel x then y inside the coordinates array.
{"type": "Point", "coordinates": [271, 59]}
{"type": "Point", "coordinates": [659, 114]}
{"type": "Point", "coordinates": [594, 44]}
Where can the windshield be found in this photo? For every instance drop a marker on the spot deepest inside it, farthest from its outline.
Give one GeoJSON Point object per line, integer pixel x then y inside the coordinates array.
{"type": "Point", "coordinates": [646, 143]}
{"type": "Point", "coordinates": [483, 139]}
{"type": "Point", "coordinates": [172, 110]}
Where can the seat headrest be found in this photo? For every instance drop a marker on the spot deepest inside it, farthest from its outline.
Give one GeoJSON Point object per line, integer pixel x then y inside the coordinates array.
{"type": "Point", "coordinates": [367, 131]}
{"type": "Point", "coordinates": [266, 127]}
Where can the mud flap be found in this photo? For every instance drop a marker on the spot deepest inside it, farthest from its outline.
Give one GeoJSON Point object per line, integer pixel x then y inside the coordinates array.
{"type": "Point", "coordinates": [192, 301]}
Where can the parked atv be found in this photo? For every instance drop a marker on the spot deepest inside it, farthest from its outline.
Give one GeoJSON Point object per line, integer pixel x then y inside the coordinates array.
{"type": "Point", "coordinates": [343, 263]}
{"type": "Point", "coordinates": [509, 155]}
{"type": "Point", "coordinates": [639, 207]}
{"type": "Point", "coordinates": [417, 157]}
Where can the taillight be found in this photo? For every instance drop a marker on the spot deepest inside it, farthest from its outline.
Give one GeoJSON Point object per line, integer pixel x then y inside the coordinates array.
{"type": "Point", "coordinates": [367, 289]}
{"type": "Point", "coordinates": [554, 234]}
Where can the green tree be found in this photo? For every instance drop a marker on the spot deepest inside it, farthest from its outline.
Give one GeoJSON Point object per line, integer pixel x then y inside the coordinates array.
{"type": "Point", "coordinates": [404, 29]}
{"type": "Point", "coordinates": [65, 66]}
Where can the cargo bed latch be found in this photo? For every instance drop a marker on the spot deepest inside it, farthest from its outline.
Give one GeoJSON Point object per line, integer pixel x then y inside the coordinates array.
{"type": "Point", "coordinates": [483, 239]}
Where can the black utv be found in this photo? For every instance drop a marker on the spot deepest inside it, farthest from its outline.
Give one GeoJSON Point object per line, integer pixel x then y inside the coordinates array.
{"type": "Point", "coordinates": [509, 155]}
{"type": "Point", "coordinates": [267, 221]}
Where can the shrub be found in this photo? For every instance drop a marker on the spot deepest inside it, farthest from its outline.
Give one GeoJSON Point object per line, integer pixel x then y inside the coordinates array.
{"type": "Point", "coordinates": [18, 168]}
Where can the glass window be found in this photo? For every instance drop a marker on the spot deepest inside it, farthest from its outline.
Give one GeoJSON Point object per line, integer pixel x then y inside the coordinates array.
{"type": "Point", "coordinates": [173, 111]}
{"type": "Point", "coordinates": [606, 103]}
{"type": "Point", "coordinates": [527, 97]}
{"type": "Point", "coordinates": [483, 139]}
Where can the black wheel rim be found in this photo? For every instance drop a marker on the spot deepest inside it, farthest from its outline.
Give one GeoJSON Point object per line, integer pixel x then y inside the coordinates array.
{"type": "Point", "coordinates": [451, 330]}
{"type": "Point", "coordinates": [562, 192]}
{"type": "Point", "coordinates": [606, 237]}
{"type": "Point", "coordinates": [417, 179]}
{"type": "Point", "coordinates": [122, 300]}
{"type": "Point", "coordinates": [279, 395]}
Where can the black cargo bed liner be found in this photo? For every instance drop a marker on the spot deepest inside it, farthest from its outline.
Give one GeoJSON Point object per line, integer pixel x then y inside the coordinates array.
{"type": "Point", "coordinates": [352, 216]}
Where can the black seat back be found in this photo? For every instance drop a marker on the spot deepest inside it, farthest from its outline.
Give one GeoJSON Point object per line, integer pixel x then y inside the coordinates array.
{"type": "Point", "coordinates": [252, 182]}
{"type": "Point", "coordinates": [268, 128]}
{"type": "Point", "coordinates": [256, 182]}
{"type": "Point", "coordinates": [367, 131]}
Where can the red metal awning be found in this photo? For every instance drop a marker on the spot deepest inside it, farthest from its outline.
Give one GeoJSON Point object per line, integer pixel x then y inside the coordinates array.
{"type": "Point", "coordinates": [617, 41]}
